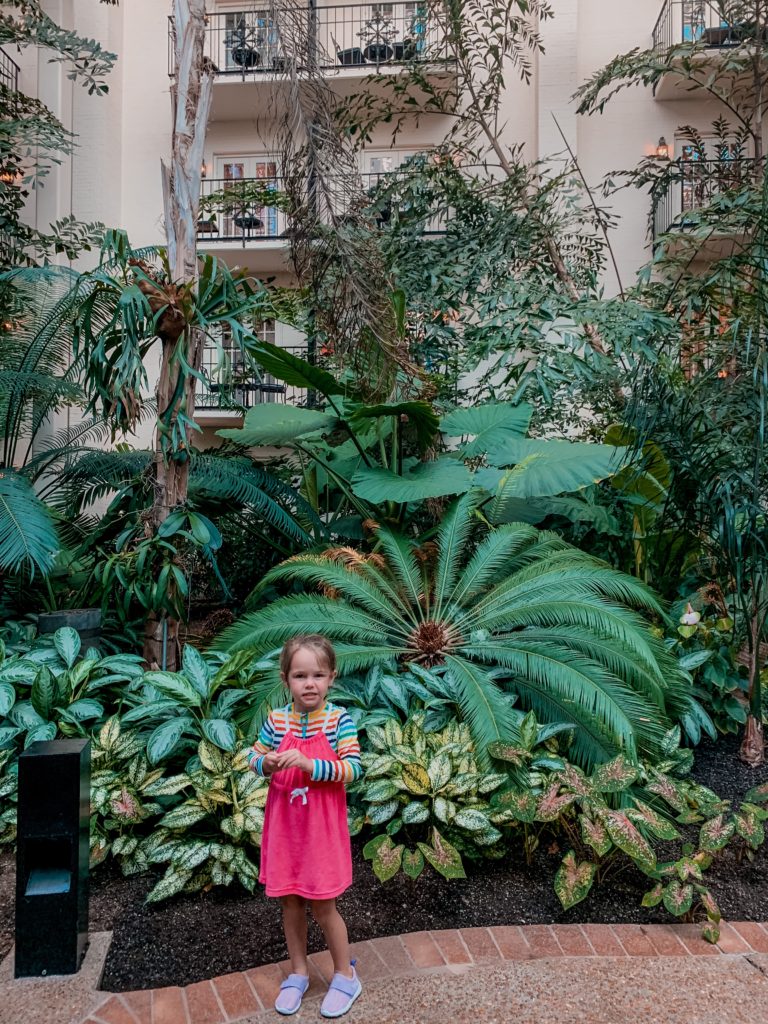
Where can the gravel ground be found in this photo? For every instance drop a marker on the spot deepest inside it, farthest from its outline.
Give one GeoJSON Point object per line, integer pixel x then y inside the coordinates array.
{"type": "Point", "coordinates": [200, 936]}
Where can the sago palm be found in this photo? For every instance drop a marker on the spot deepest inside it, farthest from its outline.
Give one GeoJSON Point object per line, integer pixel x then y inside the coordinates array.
{"type": "Point", "coordinates": [519, 612]}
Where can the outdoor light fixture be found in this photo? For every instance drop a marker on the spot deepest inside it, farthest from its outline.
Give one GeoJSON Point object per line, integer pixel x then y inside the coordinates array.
{"type": "Point", "coordinates": [662, 149]}
{"type": "Point", "coordinates": [203, 170]}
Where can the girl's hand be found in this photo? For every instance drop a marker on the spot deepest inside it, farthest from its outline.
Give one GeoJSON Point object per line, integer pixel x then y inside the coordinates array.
{"type": "Point", "coordinates": [294, 759]}
{"type": "Point", "coordinates": [271, 763]}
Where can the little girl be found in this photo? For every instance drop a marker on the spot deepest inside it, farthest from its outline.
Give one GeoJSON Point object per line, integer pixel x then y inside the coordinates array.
{"type": "Point", "coordinates": [309, 750]}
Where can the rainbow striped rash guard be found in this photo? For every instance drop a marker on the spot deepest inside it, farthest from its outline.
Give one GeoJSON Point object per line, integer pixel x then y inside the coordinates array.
{"type": "Point", "coordinates": [340, 732]}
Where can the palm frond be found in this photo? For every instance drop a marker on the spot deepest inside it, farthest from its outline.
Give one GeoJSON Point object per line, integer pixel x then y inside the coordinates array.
{"type": "Point", "coordinates": [403, 565]}
{"type": "Point", "coordinates": [491, 557]}
{"type": "Point", "coordinates": [319, 570]}
{"type": "Point", "coordinates": [485, 709]}
{"type": "Point", "coordinates": [270, 627]}
{"type": "Point", "coordinates": [582, 689]}
{"type": "Point", "coordinates": [27, 534]}
{"type": "Point", "coordinates": [452, 537]}
{"type": "Point", "coordinates": [221, 478]}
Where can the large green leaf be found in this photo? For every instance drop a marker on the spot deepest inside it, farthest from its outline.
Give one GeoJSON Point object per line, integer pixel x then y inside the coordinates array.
{"type": "Point", "coordinates": [163, 740]}
{"type": "Point", "coordinates": [545, 468]}
{"type": "Point", "coordinates": [278, 424]}
{"type": "Point", "coordinates": [419, 415]}
{"type": "Point", "coordinates": [489, 425]}
{"type": "Point", "coordinates": [174, 685]}
{"type": "Point", "coordinates": [27, 535]}
{"type": "Point", "coordinates": [292, 370]}
{"type": "Point", "coordinates": [221, 732]}
{"type": "Point", "coordinates": [427, 480]}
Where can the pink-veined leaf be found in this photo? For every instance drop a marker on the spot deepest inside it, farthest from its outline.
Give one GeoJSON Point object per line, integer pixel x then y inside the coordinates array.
{"type": "Point", "coordinates": [716, 833]}
{"type": "Point", "coordinates": [443, 857]}
{"type": "Point", "coordinates": [678, 898]}
{"type": "Point", "coordinates": [709, 904]}
{"type": "Point", "coordinates": [506, 752]}
{"type": "Point", "coordinates": [551, 806]}
{"type": "Point", "coordinates": [595, 834]}
{"type": "Point", "coordinates": [573, 880]}
{"type": "Point", "coordinates": [758, 794]}
{"type": "Point", "coordinates": [627, 837]}
{"type": "Point", "coordinates": [664, 787]}
{"type": "Point", "coordinates": [711, 932]}
{"type": "Point", "coordinates": [615, 776]}
{"type": "Point", "coordinates": [413, 863]}
{"type": "Point", "coordinates": [660, 827]}
{"type": "Point", "coordinates": [387, 860]}
{"type": "Point", "coordinates": [654, 896]}
{"type": "Point", "coordinates": [749, 828]}
{"type": "Point", "coordinates": [521, 803]}
{"type": "Point", "coordinates": [575, 779]}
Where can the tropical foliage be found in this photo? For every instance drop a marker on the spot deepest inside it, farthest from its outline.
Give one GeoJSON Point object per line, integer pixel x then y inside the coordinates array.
{"type": "Point", "coordinates": [519, 612]}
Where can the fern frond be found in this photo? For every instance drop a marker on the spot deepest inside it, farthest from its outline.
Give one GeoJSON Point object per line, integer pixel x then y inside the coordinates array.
{"type": "Point", "coordinates": [452, 537]}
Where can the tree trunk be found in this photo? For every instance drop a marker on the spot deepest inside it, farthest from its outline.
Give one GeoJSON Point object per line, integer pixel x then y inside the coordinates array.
{"type": "Point", "coordinates": [752, 750]}
{"type": "Point", "coordinates": [191, 100]}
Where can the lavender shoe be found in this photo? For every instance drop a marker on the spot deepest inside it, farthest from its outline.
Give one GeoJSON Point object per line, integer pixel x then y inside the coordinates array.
{"type": "Point", "coordinates": [291, 993]}
{"type": "Point", "coordinates": [341, 994]}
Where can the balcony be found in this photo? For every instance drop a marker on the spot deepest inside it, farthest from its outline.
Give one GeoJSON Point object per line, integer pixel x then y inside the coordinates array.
{"type": "Point", "coordinates": [9, 72]}
{"type": "Point", "coordinates": [232, 390]}
{"type": "Point", "coordinates": [693, 185]}
{"type": "Point", "coordinates": [706, 25]}
{"type": "Point", "coordinates": [263, 229]}
{"type": "Point", "coordinates": [343, 41]}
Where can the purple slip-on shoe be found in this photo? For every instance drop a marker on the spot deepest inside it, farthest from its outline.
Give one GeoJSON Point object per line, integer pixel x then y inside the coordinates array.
{"type": "Point", "coordinates": [291, 993]}
{"type": "Point", "coordinates": [341, 994]}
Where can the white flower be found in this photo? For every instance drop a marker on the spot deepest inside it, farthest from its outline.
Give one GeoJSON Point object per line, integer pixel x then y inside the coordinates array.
{"type": "Point", "coordinates": [690, 617]}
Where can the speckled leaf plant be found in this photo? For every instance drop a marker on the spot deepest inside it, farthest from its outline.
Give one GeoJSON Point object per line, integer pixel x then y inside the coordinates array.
{"type": "Point", "coordinates": [427, 789]}
{"type": "Point", "coordinates": [622, 808]}
{"type": "Point", "coordinates": [206, 840]}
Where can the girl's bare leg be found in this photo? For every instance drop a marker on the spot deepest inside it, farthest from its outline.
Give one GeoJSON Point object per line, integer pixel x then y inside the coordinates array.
{"type": "Point", "coordinates": [335, 932]}
{"type": "Point", "coordinates": [295, 928]}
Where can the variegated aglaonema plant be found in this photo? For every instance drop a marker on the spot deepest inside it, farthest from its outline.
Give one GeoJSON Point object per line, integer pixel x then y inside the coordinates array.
{"type": "Point", "coordinates": [620, 809]}
{"type": "Point", "coordinates": [427, 789]}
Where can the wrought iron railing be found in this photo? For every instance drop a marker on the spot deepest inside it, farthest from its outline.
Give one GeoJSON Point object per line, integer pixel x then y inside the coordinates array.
{"type": "Point", "coordinates": [9, 71]}
{"type": "Point", "coordinates": [245, 221]}
{"type": "Point", "coordinates": [253, 42]}
{"type": "Point", "coordinates": [693, 184]}
{"type": "Point", "coordinates": [714, 24]}
{"type": "Point", "coordinates": [239, 385]}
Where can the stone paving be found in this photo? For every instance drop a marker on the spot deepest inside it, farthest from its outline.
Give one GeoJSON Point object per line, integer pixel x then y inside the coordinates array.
{"type": "Point", "coordinates": [526, 975]}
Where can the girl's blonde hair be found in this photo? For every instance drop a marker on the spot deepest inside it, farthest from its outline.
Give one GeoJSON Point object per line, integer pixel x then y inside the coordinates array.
{"type": "Point", "coordinates": [313, 642]}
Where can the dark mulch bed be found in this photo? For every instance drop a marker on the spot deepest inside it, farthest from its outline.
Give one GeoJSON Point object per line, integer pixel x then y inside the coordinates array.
{"type": "Point", "coordinates": [200, 936]}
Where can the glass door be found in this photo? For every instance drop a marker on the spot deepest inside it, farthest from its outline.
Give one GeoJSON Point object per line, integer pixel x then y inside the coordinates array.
{"type": "Point", "coordinates": [247, 179]}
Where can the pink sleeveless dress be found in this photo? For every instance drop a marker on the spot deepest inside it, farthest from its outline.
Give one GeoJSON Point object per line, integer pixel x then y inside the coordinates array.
{"type": "Point", "coordinates": [305, 849]}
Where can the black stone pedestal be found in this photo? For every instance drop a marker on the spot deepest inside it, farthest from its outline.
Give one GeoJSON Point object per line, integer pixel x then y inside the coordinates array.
{"type": "Point", "coordinates": [52, 858]}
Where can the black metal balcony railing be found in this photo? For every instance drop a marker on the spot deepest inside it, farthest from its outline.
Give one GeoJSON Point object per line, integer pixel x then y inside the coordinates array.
{"type": "Point", "coordinates": [716, 25]}
{"type": "Point", "coordinates": [251, 222]}
{"type": "Point", "coordinates": [9, 71]}
{"type": "Point", "coordinates": [250, 43]}
{"type": "Point", "coordinates": [238, 386]}
{"type": "Point", "coordinates": [693, 184]}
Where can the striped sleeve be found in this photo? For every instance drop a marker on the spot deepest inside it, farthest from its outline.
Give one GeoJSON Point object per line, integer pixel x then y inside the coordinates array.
{"type": "Point", "coordinates": [348, 768]}
{"type": "Point", "coordinates": [269, 739]}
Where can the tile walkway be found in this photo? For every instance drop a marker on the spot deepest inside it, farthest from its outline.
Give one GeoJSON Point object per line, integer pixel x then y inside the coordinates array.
{"type": "Point", "coordinates": [232, 997]}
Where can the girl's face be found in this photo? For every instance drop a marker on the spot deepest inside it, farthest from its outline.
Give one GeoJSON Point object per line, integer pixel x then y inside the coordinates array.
{"type": "Point", "coordinates": [309, 679]}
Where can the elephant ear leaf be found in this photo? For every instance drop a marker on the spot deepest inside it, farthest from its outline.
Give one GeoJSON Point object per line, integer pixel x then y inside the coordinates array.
{"type": "Point", "coordinates": [434, 479]}
{"type": "Point", "coordinates": [489, 426]}
{"type": "Point", "coordinates": [294, 371]}
{"type": "Point", "coordinates": [271, 423]}
{"type": "Point", "coordinates": [419, 415]}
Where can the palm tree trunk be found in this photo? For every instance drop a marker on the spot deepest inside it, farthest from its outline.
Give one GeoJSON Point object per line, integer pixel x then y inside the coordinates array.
{"type": "Point", "coordinates": [191, 100]}
{"type": "Point", "coordinates": [752, 750]}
